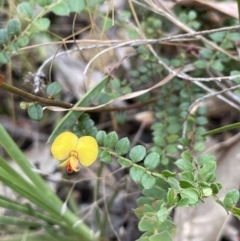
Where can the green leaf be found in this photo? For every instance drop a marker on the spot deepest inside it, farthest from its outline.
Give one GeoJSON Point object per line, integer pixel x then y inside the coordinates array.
{"type": "Point", "coordinates": [122, 146]}
{"type": "Point", "coordinates": [187, 176]}
{"type": "Point", "coordinates": [227, 44]}
{"type": "Point", "coordinates": [217, 65]}
{"type": "Point", "coordinates": [183, 17]}
{"type": "Point", "coordinates": [174, 128]}
{"type": "Point", "coordinates": [110, 140]}
{"type": "Point", "coordinates": [184, 165]}
{"type": "Point", "coordinates": [76, 6]}
{"type": "Point", "coordinates": [234, 195]}
{"type": "Point", "coordinates": [25, 11]}
{"type": "Point", "coordinates": [85, 126]}
{"type": "Point", "coordinates": [207, 168]}
{"type": "Point", "coordinates": [186, 184]}
{"type": "Point", "coordinates": [54, 88]}
{"type": "Point", "coordinates": [3, 36]}
{"type": "Point", "coordinates": [171, 196]}
{"type": "Point", "coordinates": [228, 203]}
{"type": "Point", "coordinates": [200, 64]}
{"type": "Point", "coordinates": [191, 195]}
{"type": "Point", "coordinates": [217, 37]}
{"type": "Point", "coordinates": [41, 24]}
{"type": "Point", "coordinates": [143, 209]}
{"type": "Point", "coordinates": [23, 41]}
{"type": "Point", "coordinates": [164, 160]}
{"type": "Point", "coordinates": [121, 117]}
{"type": "Point", "coordinates": [4, 58]}
{"type": "Point", "coordinates": [184, 106]}
{"type": "Point", "coordinates": [156, 192]}
{"type": "Point", "coordinates": [152, 160]}
{"type": "Point", "coordinates": [173, 182]}
{"type": "Point", "coordinates": [233, 36]}
{"type": "Point", "coordinates": [172, 138]}
{"type": "Point", "coordinates": [192, 15]}
{"type": "Point", "coordinates": [124, 162]}
{"type": "Point", "coordinates": [235, 72]}
{"type": "Point", "coordinates": [206, 53]}
{"type": "Point", "coordinates": [183, 202]}
{"type": "Point", "coordinates": [105, 23]}
{"type": "Point", "coordinates": [203, 184]}
{"type": "Point", "coordinates": [195, 25]}
{"type": "Point", "coordinates": [94, 3]}
{"type": "Point", "coordinates": [137, 153]}
{"type": "Point", "coordinates": [186, 155]}
{"type": "Point", "coordinates": [199, 146]}
{"type": "Point", "coordinates": [165, 236]}
{"type": "Point", "coordinates": [205, 157]}
{"type": "Point", "coordinates": [35, 111]}
{"type": "Point", "coordinates": [71, 117]}
{"type": "Point", "coordinates": [147, 223]}
{"type": "Point", "coordinates": [185, 141]}
{"type": "Point", "coordinates": [167, 173]}
{"type": "Point", "coordinates": [162, 214]}
{"type": "Point", "coordinates": [13, 27]}
{"type": "Point", "coordinates": [170, 149]}
{"type": "Point", "coordinates": [207, 192]}
{"type": "Point", "coordinates": [148, 181]}
{"type": "Point", "coordinates": [106, 157]}
{"type": "Point", "coordinates": [202, 110]}
{"type": "Point", "coordinates": [136, 173]}
{"type": "Point", "coordinates": [43, 3]}
{"type": "Point", "coordinates": [13, 47]}
{"type": "Point", "coordinates": [237, 92]}
{"type": "Point", "coordinates": [236, 210]}
{"type": "Point", "coordinates": [201, 120]}
{"type": "Point", "coordinates": [143, 239]}
{"type": "Point", "coordinates": [145, 201]}
{"type": "Point", "coordinates": [100, 136]}
{"type": "Point", "coordinates": [61, 9]}
{"type": "Point", "coordinates": [215, 188]}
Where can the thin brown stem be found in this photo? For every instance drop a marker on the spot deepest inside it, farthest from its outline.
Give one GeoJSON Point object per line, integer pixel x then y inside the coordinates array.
{"type": "Point", "coordinates": [49, 102]}
{"type": "Point", "coordinates": [32, 97]}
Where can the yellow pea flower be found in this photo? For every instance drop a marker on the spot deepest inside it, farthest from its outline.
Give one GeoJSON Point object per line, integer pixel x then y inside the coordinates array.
{"type": "Point", "coordinates": [73, 150]}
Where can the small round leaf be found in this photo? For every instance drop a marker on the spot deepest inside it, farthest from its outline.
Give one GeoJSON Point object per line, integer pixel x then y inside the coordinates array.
{"type": "Point", "coordinates": [54, 88]}
{"type": "Point", "coordinates": [122, 146]}
{"type": "Point", "coordinates": [61, 9]}
{"type": "Point", "coordinates": [25, 10]}
{"type": "Point", "coordinates": [41, 24]}
{"type": "Point", "coordinates": [148, 181]}
{"type": "Point", "coordinates": [137, 153]}
{"type": "Point", "coordinates": [111, 140]}
{"type": "Point", "coordinates": [3, 36]}
{"type": "Point", "coordinates": [100, 136]}
{"type": "Point", "coordinates": [43, 3]}
{"type": "Point", "coordinates": [162, 214]}
{"type": "Point", "coordinates": [13, 27]}
{"type": "Point", "coordinates": [23, 41]}
{"type": "Point", "coordinates": [106, 157]}
{"type": "Point", "coordinates": [35, 112]}
{"type": "Point", "coordinates": [152, 160]}
{"type": "Point", "coordinates": [124, 162]}
{"type": "Point", "coordinates": [136, 173]}
{"type": "Point", "coordinates": [191, 195]}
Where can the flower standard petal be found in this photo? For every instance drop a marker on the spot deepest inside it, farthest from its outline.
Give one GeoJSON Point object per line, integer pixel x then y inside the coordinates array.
{"type": "Point", "coordinates": [87, 149]}
{"type": "Point", "coordinates": [63, 144]}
